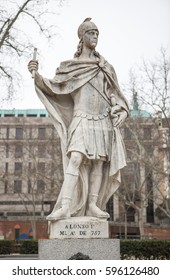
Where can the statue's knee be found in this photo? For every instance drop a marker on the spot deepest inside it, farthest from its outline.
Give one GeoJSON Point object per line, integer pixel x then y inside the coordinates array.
{"type": "Point", "coordinates": [74, 164]}
{"type": "Point", "coordinates": [76, 159]}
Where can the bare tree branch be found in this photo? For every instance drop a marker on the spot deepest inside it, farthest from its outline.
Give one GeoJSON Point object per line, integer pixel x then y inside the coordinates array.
{"type": "Point", "coordinates": [15, 42]}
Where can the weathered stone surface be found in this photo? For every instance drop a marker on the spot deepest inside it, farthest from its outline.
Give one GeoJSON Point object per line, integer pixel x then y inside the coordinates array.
{"type": "Point", "coordinates": [79, 227]}
{"type": "Point", "coordinates": [64, 249]}
{"type": "Point", "coordinates": [87, 108]}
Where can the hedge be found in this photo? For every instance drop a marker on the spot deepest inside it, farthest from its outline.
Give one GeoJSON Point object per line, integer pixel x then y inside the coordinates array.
{"type": "Point", "coordinates": [6, 247]}
{"type": "Point", "coordinates": [29, 247]}
{"type": "Point", "coordinates": [145, 249]}
{"type": "Point", "coordinates": [129, 249]}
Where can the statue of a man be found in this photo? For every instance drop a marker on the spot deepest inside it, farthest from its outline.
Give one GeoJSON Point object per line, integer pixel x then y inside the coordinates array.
{"type": "Point", "coordinates": [87, 108]}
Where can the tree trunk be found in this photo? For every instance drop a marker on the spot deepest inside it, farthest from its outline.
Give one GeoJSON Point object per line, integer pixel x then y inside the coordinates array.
{"type": "Point", "coordinates": [140, 221]}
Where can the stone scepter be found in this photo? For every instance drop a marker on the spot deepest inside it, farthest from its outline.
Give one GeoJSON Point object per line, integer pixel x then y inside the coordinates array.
{"type": "Point", "coordinates": [34, 59]}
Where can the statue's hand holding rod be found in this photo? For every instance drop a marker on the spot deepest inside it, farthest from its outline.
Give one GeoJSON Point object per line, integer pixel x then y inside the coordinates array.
{"type": "Point", "coordinates": [33, 64]}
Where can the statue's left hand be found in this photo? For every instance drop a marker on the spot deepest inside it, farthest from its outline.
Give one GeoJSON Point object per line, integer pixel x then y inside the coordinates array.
{"type": "Point", "coordinates": [121, 115]}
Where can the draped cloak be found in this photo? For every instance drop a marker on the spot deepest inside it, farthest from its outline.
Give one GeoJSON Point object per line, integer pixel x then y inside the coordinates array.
{"type": "Point", "coordinates": [55, 94]}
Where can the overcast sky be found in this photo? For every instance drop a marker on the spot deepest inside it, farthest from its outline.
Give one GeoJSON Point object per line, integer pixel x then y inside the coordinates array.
{"type": "Point", "coordinates": [130, 30]}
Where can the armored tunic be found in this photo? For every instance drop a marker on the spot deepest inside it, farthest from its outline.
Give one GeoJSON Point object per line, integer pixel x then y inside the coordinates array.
{"type": "Point", "coordinates": [91, 130]}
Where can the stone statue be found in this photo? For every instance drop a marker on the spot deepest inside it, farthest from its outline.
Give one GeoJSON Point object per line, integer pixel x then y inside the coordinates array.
{"type": "Point", "coordinates": [87, 108]}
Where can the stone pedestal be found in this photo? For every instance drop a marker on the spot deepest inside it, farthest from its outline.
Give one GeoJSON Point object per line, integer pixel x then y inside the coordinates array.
{"type": "Point", "coordinates": [88, 236]}
{"type": "Point", "coordinates": [64, 249]}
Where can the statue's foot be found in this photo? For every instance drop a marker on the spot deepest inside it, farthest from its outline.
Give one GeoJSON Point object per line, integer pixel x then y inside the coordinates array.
{"type": "Point", "coordinates": [94, 211]}
{"type": "Point", "coordinates": [59, 214]}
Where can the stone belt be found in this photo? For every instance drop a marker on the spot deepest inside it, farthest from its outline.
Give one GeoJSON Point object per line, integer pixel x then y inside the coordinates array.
{"type": "Point", "coordinates": [92, 117]}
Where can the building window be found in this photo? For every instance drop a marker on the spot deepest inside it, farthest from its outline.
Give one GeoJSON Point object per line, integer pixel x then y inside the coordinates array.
{"type": "Point", "coordinates": [29, 186]}
{"type": "Point", "coordinates": [9, 115]}
{"type": "Point", "coordinates": [19, 133]}
{"type": "Point", "coordinates": [18, 168]}
{"type": "Point", "coordinates": [7, 150]}
{"type": "Point", "coordinates": [52, 184]}
{"type": "Point", "coordinates": [17, 186]}
{"type": "Point", "coordinates": [6, 168]}
{"type": "Point", "coordinates": [7, 133]}
{"type": "Point", "coordinates": [31, 150]}
{"type": "Point", "coordinates": [149, 150]}
{"type": "Point", "coordinates": [41, 167]}
{"type": "Point", "coordinates": [41, 133]}
{"type": "Point", "coordinates": [130, 214]}
{"type": "Point", "coordinates": [6, 186]}
{"type": "Point", "coordinates": [18, 151]}
{"type": "Point", "coordinates": [127, 133]}
{"type": "Point", "coordinates": [40, 186]}
{"type": "Point", "coordinates": [147, 133]}
{"type": "Point", "coordinates": [130, 168]}
{"type": "Point", "coordinates": [31, 115]}
{"type": "Point", "coordinates": [30, 133]}
{"type": "Point", "coordinates": [29, 168]}
{"type": "Point", "coordinates": [41, 151]}
{"type": "Point", "coordinates": [129, 154]}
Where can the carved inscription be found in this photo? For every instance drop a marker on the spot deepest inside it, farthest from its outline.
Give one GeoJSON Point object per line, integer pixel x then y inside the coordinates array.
{"type": "Point", "coordinates": [80, 229]}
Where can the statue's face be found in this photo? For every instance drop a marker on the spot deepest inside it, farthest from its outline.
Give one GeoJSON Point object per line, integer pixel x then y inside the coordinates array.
{"type": "Point", "coordinates": [90, 38]}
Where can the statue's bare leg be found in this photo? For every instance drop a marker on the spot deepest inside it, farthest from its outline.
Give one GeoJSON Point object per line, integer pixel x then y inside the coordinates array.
{"type": "Point", "coordinates": [70, 181]}
{"type": "Point", "coordinates": [95, 182]}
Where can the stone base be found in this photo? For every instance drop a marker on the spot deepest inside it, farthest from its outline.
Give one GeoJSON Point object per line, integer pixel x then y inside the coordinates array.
{"type": "Point", "coordinates": [64, 249]}
{"type": "Point", "coordinates": [79, 227]}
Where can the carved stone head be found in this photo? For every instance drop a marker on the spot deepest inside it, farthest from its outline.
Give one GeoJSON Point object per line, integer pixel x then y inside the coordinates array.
{"type": "Point", "coordinates": [86, 26]}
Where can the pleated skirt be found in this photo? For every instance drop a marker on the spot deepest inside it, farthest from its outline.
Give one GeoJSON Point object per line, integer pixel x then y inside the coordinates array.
{"type": "Point", "coordinates": [93, 138]}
